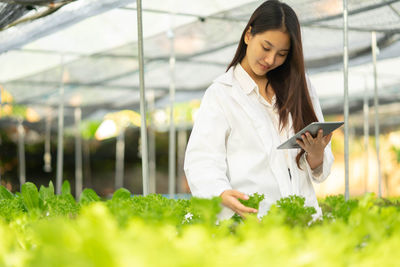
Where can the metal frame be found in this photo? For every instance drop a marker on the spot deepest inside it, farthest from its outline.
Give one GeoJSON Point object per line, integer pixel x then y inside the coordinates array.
{"type": "Point", "coordinates": [21, 152]}
{"type": "Point", "coordinates": [346, 98]}
{"type": "Point", "coordinates": [143, 128]}
{"type": "Point", "coordinates": [60, 133]}
{"type": "Point", "coordinates": [309, 23]}
{"type": "Point", "coordinates": [78, 153]}
{"type": "Point", "coordinates": [172, 131]}
{"type": "Point", "coordinates": [376, 107]}
{"type": "Point", "coordinates": [119, 159]}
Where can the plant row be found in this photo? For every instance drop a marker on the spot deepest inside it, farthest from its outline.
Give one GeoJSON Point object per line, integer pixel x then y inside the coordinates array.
{"type": "Point", "coordinates": [40, 228]}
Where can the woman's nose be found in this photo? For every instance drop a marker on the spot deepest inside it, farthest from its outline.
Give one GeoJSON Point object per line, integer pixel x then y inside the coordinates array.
{"type": "Point", "coordinates": [269, 59]}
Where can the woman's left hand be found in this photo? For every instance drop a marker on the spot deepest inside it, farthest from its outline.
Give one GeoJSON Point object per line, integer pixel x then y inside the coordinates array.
{"type": "Point", "coordinates": [314, 147]}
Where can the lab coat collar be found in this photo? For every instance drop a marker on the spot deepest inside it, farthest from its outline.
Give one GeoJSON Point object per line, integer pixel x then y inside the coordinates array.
{"type": "Point", "coordinates": [246, 84]}
{"type": "Point", "coordinates": [264, 128]}
{"type": "Point", "coordinates": [244, 79]}
{"type": "Point", "coordinates": [226, 78]}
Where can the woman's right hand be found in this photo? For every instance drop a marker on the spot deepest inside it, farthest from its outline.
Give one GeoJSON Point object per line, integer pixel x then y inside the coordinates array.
{"type": "Point", "coordinates": [230, 200]}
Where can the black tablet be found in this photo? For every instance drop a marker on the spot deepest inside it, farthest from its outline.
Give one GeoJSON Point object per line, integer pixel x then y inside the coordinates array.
{"type": "Point", "coordinates": [312, 128]}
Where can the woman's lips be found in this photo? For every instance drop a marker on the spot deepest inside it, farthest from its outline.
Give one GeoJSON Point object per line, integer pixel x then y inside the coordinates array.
{"type": "Point", "coordinates": [263, 66]}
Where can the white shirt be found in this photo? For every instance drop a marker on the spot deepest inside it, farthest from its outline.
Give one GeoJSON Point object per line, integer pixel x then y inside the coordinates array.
{"type": "Point", "coordinates": [233, 146]}
{"type": "Point", "coordinates": [246, 82]}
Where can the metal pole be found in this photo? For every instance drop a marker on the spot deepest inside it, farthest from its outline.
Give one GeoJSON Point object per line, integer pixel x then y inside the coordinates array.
{"type": "Point", "coordinates": [86, 160]}
{"type": "Point", "coordinates": [366, 136]}
{"type": "Point", "coordinates": [21, 152]}
{"type": "Point", "coordinates": [143, 128]}
{"type": "Point", "coordinates": [152, 145]}
{"type": "Point", "coordinates": [182, 140]}
{"type": "Point", "coordinates": [120, 155]}
{"type": "Point", "coordinates": [172, 132]}
{"type": "Point", "coordinates": [60, 143]}
{"type": "Point", "coordinates": [1, 101]}
{"type": "Point", "coordinates": [346, 98]}
{"type": "Point", "coordinates": [78, 153]}
{"type": "Point", "coordinates": [47, 142]}
{"type": "Point", "coordinates": [376, 106]}
{"type": "Point", "coordinates": [0, 150]}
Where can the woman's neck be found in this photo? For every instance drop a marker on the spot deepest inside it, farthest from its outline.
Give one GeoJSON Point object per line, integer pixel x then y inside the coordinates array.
{"type": "Point", "coordinates": [256, 78]}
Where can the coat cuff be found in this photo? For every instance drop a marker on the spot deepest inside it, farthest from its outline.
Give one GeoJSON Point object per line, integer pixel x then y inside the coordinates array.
{"type": "Point", "coordinates": [208, 188]}
{"type": "Point", "coordinates": [316, 174]}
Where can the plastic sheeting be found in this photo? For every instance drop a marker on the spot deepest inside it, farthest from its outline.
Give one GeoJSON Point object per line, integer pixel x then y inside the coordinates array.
{"type": "Point", "coordinates": [102, 63]}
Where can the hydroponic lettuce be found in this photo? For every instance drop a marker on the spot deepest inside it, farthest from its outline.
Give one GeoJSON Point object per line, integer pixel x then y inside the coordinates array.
{"type": "Point", "coordinates": [253, 202]}
{"type": "Point", "coordinates": [39, 228]}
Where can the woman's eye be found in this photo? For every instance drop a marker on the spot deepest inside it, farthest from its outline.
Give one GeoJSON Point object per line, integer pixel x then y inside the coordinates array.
{"type": "Point", "coordinates": [282, 55]}
{"type": "Point", "coordinates": [266, 49]}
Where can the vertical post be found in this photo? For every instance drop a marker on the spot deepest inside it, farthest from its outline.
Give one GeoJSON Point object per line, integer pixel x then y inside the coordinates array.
{"type": "Point", "coordinates": [366, 136]}
{"type": "Point", "coordinates": [143, 128]}
{"type": "Point", "coordinates": [47, 141]}
{"type": "Point", "coordinates": [152, 145]}
{"type": "Point", "coordinates": [376, 106]}
{"type": "Point", "coordinates": [86, 158]}
{"type": "Point", "coordinates": [60, 142]}
{"type": "Point", "coordinates": [172, 132]}
{"type": "Point", "coordinates": [120, 157]}
{"type": "Point", "coordinates": [1, 102]}
{"type": "Point", "coordinates": [0, 150]}
{"type": "Point", "coordinates": [346, 98]}
{"type": "Point", "coordinates": [21, 152]}
{"type": "Point", "coordinates": [182, 140]}
{"type": "Point", "coordinates": [78, 153]}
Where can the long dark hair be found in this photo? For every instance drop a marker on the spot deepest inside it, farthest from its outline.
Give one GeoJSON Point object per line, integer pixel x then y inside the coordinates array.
{"type": "Point", "coordinates": [288, 80]}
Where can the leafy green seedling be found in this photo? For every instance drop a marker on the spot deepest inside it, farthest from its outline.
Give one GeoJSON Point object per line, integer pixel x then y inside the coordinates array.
{"type": "Point", "coordinates": [253, 202]}
{"type": "Point", "coordinates": [88, 196]}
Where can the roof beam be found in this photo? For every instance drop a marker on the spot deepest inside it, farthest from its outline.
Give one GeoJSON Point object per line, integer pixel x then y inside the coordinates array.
{"type": "Point", "coordinates": [200, 17]}
{"type": "Point", "coordinates": [77, 11]}
{"type": "Point", "coordinates": [351, 12]}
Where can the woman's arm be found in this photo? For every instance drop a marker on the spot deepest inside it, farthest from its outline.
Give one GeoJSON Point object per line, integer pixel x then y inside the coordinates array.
{"type": "Point", "coordinates": [205, 160]}
{"type": "Point", "coordinates": [315, 147]}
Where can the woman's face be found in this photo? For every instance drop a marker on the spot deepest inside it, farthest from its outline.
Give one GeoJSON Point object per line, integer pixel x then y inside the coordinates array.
{"type": "Point", "coordinates": [265, 51]}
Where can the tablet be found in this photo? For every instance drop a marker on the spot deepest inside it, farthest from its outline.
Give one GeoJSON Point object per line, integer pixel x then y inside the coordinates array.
{"type": "Point", "coordinates": [313, 128]}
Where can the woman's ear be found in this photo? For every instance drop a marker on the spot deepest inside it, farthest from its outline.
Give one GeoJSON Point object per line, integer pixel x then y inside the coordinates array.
{"type": "Point", "coordinates": [247, 36]}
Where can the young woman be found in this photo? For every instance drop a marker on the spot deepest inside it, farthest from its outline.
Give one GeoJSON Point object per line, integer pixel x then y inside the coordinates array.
{"type": "Point", "coordinates": [263, 99]}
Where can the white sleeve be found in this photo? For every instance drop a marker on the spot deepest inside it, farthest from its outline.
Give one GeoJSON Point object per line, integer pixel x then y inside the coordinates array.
{"type": "Point", "coordinates": [205, 159]}
{"type": "Point", "coordinates": [317, 175]}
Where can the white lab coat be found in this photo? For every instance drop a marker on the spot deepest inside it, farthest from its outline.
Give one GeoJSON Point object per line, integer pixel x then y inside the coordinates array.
{"type": "Point", "coordinates": [233, 146]}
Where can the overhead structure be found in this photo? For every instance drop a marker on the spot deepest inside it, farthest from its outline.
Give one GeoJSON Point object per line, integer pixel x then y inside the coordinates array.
{"type": "Point", "coordinates": [110, 66]}
{"type": "Point", "coordinates": [201, 52]}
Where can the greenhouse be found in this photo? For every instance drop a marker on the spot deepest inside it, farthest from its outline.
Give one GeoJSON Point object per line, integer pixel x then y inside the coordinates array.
{"type": "Point", "coordinates": [98, 111]}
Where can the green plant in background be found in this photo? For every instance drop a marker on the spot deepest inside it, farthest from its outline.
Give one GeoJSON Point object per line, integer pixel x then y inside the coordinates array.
{"type": "Point", "coordinates": [89, 128]}
{"type": "Point", "coordinates": [5, 194]}
{"type": "Point", "coordinates": [396, 150]}
{"type": "Point", "coordinates": [88, 196]}
{"type": "Point", "coordinates": [336, 207]}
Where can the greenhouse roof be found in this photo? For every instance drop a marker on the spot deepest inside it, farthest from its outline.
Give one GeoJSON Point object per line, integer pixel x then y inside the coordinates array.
{"type": "Point", "coordinates": [90, 47]}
